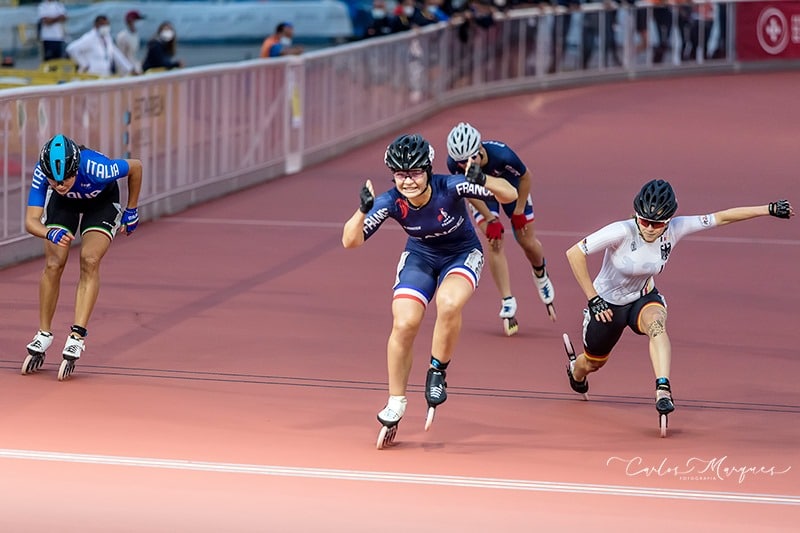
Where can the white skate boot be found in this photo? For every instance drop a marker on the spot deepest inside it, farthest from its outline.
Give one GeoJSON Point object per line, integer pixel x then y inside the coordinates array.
{"type": "Point", "coordinates": [36, 352]}
{"type": "Point", "coordinates": [72, 352]}
{"type": "Point", "coordinates": [546, 293]}
{"type": "Point", "coordinates": [508, 312]}
{"type": "Point", "coordinates": [389, 418]}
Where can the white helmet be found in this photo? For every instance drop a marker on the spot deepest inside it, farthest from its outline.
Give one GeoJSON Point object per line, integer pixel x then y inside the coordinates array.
{"type": "Point", "coordinates": [463, 142]}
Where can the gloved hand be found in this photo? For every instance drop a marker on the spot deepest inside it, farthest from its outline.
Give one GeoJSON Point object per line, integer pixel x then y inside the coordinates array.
{"type": "Point", "coordinates": [367, 199]}
{"type": "Point", "coordinates": [475, 175]}
{"type": "Point", "coordinates": [59, 236]}
{"type": "Point", "coordinates": [781, 209]}
{"type": "Point", "coordinates": [130, 220]}
{"type": "Point", "coordinates": [598, 306]}
{"type": "Point", "coordinates": [494, 230]}
{"type": "Point", "coordinates": [519, 221]}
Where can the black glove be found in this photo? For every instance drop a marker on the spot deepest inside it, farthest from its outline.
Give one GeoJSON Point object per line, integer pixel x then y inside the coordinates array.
{"type": "Point", "coordinates": [367, 200]}
{"type": "Point", "coordinates": [475, 175]}
{"type": "Point", "coordinates": [780, 209]}
{"type": "Point", "coordinates": [597, 305]}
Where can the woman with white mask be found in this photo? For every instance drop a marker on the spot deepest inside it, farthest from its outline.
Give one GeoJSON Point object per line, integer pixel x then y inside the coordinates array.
{"type": "Point", "coordinates": [161, 49]}
{"type": "Point", "coordinates": [95, 51]}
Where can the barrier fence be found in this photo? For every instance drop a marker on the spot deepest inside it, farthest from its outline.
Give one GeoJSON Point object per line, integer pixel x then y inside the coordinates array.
{"type": "Point", "coordinates": [206, 131]}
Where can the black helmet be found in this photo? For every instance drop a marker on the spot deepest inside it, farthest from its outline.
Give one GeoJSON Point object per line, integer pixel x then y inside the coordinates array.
{"type": "Point", "coordinates": [656, 201]}
{"type": "Point", "coordinates": [60, 158]}
{"type": "Point", "coordinates": [409, 151]}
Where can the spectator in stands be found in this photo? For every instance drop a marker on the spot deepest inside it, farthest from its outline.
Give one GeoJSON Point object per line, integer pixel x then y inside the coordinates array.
{"type": "Point", "coordinates": [591, 33]}
{"type": "Point", "coordinates": [404, 14]}
{"type": "Point", "coordinates": [379, 20]}
{"type": "Point", "coordinates": [52, 29]}
{"type": "Point", "coordinates": [161, 49]}
{"type": "Point", "coordinates": [280, 43]}
{"type": "Point", "coordinates": [432, 13]}
{"type": "Point", "coordinates": [561, 26]}
{"type": "Point", "coordinates": [129, 41]}
{"type": "Point", "coordinates": [95, 51]}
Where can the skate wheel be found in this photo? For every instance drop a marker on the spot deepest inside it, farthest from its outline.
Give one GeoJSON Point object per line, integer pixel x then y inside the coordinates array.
{"type": "Point", "coordinates": [386, 436]}
{"type": "Point", "coordinates": [585, 396]}
{"type": "Point", "coordinates": [429, 418]}
{"type": "Point", "coordinates": [568, 347]}
{"type": "Point", "coordinates": [510, 326]}
{"type": "Point", "coordinates": [30, 364]}
{"type": "Point", "coordinates": [65, 370]}
{"type": "Point", "coordinates": [662, 425]}
{"type": "Point", "coordinates": [551, 312]}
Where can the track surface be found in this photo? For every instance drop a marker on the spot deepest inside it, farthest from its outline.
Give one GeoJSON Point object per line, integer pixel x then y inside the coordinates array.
{"type": "Point", "coordinates": [236, 357]}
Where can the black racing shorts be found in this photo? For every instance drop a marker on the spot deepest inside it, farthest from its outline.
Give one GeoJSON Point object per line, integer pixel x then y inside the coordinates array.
{"type": "Point", "coordinates": [101, 213]}
{"type": "Point", "coordinates": [599, 338]}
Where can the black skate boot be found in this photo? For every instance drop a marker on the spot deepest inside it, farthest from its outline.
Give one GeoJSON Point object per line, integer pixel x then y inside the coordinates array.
{"type": "Point", "coordinates": [435, 389]}
{"type": "Point", "coordinates": [581, 387]}
{"type": "Point", "coordinates": [664, 404]}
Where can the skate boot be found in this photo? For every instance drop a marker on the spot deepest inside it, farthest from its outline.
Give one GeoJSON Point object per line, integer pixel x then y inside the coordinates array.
{"type": "Point", "coordinates": [72, 352]}
{"type": "Point", "coordinates": [508, 313]}
{"type": "Point", "coordinates": [36, 352]}
{"type": "Point", "coordinates": [435, 389]}
{"type": "Point", "coordinates": [581, 387]}
{"type": "Point", "coordinates": [389, 418]}
{"type": "Point", "coordinates": [546, 291]}
{"type": "Point", "coordinates": [664, 403]}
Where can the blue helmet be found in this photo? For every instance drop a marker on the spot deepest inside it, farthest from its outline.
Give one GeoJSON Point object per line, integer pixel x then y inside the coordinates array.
{"type": "Point", "coordinates": [60, 158]}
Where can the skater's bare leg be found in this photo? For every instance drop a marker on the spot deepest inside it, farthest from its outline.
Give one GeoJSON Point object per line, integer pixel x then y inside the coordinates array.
{"type": "Point", "coordinates": [55, 259]}
{"type": "Point", "coordinates": [407, 316]}
{"type": "Point", "coordinates": [94, 246]}
{"type": "Point", "coordinates": [453, 294]}
{"type": "Point", "coordinates": [653, 322]}
{"type": "Point", "coordinates": [585, 366]}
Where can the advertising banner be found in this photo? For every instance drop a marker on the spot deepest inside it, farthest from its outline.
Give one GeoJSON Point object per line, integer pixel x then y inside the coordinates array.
{"type": "Point", "coordinates": [767, 30]}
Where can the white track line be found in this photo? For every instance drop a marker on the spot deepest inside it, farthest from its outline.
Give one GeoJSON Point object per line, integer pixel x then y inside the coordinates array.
{"type": "Point", "coordinates": [391, 477]}
{"type": "Point", "coordinates": [552, 233]}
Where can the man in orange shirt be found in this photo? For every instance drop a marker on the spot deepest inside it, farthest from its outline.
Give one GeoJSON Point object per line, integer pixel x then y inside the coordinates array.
{"type": "Point", "coordinates": [280, 43]}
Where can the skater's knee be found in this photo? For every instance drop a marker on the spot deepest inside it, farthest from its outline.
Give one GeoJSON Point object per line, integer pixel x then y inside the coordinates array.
{"type": "Point", "coordinates": [449, 305]}
{"type": "Point", "coordinates": [54, 266]}
{"type": "Point", "coordinates": [405, 326]}
{"type": "Point", "coordinates": [653, 320]}
{"type": "Point", "coordinates": [90, 263]}
{"type": "Point", "coordinates": [593, 363]}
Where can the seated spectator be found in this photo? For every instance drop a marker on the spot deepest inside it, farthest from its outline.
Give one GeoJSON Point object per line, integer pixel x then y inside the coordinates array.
{"type": "Point", "coordinates": [161, 49]}
{"type": "Point", "coordinates": [280, 43]}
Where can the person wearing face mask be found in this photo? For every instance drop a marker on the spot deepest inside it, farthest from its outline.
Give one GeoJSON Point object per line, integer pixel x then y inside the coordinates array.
{"type": "Point", "coordinates": [280, 43]}
{"type": "Point", "coordinates": [161, 49]}
{"type": "Point", "coordinates": [128, 39]}
{"type": "Point", "coordinates": [379, 20]}
{"type": "Point", "coordinates": [95, 51]}
{"type": "Point", "coordinates": [404, 16]}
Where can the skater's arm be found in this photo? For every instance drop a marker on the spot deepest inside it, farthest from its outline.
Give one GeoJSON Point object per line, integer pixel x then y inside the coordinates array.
{"type": "Point", "coordinates": [481, 207]}
{"type": "Point", "coordinates": [502, 190]}
{"type": "Point", "coordinates": [523, 191]}
{"type": "Point", "coordinates": [597, 306]}
{"type": "Point", "coordinates": [580, 269]}
{"type": "Point", "coordinates": [34, 226]}
{"type": "Point", "coordinates": [134, 182]}
{"type": "Point", "coordinates": [353, 232]}
{"type": "Point", "coordinates": [780, 209]}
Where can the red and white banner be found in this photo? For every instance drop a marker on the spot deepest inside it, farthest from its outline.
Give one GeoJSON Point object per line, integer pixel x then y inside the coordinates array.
{"type": "Point", "coordinates": [768, 30]}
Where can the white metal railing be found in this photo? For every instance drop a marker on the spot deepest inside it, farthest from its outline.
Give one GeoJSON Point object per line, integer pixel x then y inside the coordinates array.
{"type": "Point", "coordinates": [204, 131]}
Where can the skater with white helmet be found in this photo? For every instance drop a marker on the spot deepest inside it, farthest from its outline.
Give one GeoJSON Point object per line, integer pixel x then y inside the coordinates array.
{"type": "Point", "coordinates": [624, 295]}
{"type": "Point", "coordinates": [464, 145]}
{"type": "Point", "coordinates": [442, 259]}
